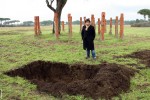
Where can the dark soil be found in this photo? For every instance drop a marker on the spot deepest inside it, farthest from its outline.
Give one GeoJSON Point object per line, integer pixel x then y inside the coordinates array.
{"type": "Point", "coordinates": [144, 56]}
{"type": "Point", "coordinates": [95, 81]}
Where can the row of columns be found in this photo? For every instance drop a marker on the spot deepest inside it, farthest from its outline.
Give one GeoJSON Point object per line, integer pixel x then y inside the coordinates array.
{"type": "Point", "coordinates": [102, 25]}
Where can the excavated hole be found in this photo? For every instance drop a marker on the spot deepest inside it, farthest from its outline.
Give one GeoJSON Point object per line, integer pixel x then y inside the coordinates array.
{"type": "Point", "coordinates": [96, 81]}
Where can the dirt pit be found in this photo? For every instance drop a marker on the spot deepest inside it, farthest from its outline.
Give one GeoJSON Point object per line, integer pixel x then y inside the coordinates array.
{"type": "Point", "coordinates": [144, 56]}
{"type": "Point", "coordinates": [96, 81]}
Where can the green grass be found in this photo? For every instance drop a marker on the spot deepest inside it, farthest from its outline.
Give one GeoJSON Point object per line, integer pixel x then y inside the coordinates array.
{"type": "Point", "coordinates": [19, 46]}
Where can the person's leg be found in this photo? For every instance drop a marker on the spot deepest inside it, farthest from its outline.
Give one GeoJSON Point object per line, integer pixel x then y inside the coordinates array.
{"type": "Point", "coordinates": [93, 54]}
{"type": "Point", "coordinates": [87, 53]}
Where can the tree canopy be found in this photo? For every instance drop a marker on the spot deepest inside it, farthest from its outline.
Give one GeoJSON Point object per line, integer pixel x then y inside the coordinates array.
{"type": "Point", "coordinates": [144, 12]}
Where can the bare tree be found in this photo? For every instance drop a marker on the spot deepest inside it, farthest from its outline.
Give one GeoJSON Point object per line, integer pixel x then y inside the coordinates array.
{"type": "Point", "coordinates": [58, 10]}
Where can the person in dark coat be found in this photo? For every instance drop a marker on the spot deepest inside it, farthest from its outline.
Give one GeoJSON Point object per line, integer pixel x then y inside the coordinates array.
{"type": "Point", "coordinates": [88, 36]}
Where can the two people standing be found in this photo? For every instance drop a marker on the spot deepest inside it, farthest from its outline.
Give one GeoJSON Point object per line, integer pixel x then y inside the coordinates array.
{"type": "Point", "coordinates": [88, 36]}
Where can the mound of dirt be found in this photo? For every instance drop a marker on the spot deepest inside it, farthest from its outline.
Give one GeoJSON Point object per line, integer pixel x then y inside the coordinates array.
{"type": "Point", "coordinates": [144, 56]}
{"type": "Point", "coordinates": [95, 81]}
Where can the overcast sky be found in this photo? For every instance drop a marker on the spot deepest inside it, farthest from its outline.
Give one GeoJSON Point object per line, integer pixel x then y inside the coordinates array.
{"type": "Point", "coordinates": [24, 10]}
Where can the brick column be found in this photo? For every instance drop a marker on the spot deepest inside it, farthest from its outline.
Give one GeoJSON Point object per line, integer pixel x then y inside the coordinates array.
{"type": "Point", "coordinates": [110, 32]}
{"type": "Point", "coordinates": [92, 20]}
{"type": "Point", "coordinates": [80, 24]}
{"type": "Point", "coordinates": [116, 27]}
{"type": "Point", "coordinates": [70, 25]}
{"type": "Point", "coordinates": [37, 29]}
{"type": "Point", "coordinates": [122, 26]}
{"type": "Point", "coordinates": [38, 26]}
{"type": "Point", "coordinates": [94, 24]}
{"type": "Point", "coordinates": [102, 26]}
{"type": "Point", "coordinates": [63, 26]}
{"type": "Point", "coordinates": [84, 20]}
{"type": "Point", "coordinates": [105, 26]}
{"type": "Point", "coordinates": [99, 26]}
{"type": "Point", "coordinates": [35, 25]}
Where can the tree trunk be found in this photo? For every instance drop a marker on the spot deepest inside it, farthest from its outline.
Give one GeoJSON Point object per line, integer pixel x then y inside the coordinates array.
{"type": "Point", "coordinates": [53, 31]}
{"type": "Point", "coordinates": [59, 23]}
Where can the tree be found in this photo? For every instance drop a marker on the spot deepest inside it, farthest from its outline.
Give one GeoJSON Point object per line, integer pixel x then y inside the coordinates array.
{"type": "Point", "coordinates": [1, 19]}
{"type": "Point", "coordinates": [4, 19]}
{"type": "Point", "coordinates": [11, 22]}
{"type": "Point", "coordinates": [58, 10]}
{"type": "Point", "coordinates": [144, 12]}
{"type": "Point", "coordinates": [148, 15]}
{"type": "Point", "coordinates": [137, 21]}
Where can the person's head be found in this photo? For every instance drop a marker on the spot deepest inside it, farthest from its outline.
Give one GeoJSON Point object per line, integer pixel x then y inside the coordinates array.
{"type": "Point", "coordinates": [87, 22]}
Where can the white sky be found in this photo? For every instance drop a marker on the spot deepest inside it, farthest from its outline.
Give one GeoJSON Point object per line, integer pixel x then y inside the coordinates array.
{"type": "Point", "coordinates": [25, 10]}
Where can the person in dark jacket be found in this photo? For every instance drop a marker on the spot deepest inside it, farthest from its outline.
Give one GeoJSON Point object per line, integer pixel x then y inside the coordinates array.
{"type": "Point", "coordinates": [88, 36]}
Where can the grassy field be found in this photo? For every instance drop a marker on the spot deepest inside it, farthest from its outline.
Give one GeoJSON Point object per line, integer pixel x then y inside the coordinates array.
{"type": "Point", "coordinates": [19, 46]}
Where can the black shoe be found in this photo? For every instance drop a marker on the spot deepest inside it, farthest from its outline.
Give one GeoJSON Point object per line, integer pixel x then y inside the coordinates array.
{"type": "Point", "coordinates": [87, 57]}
